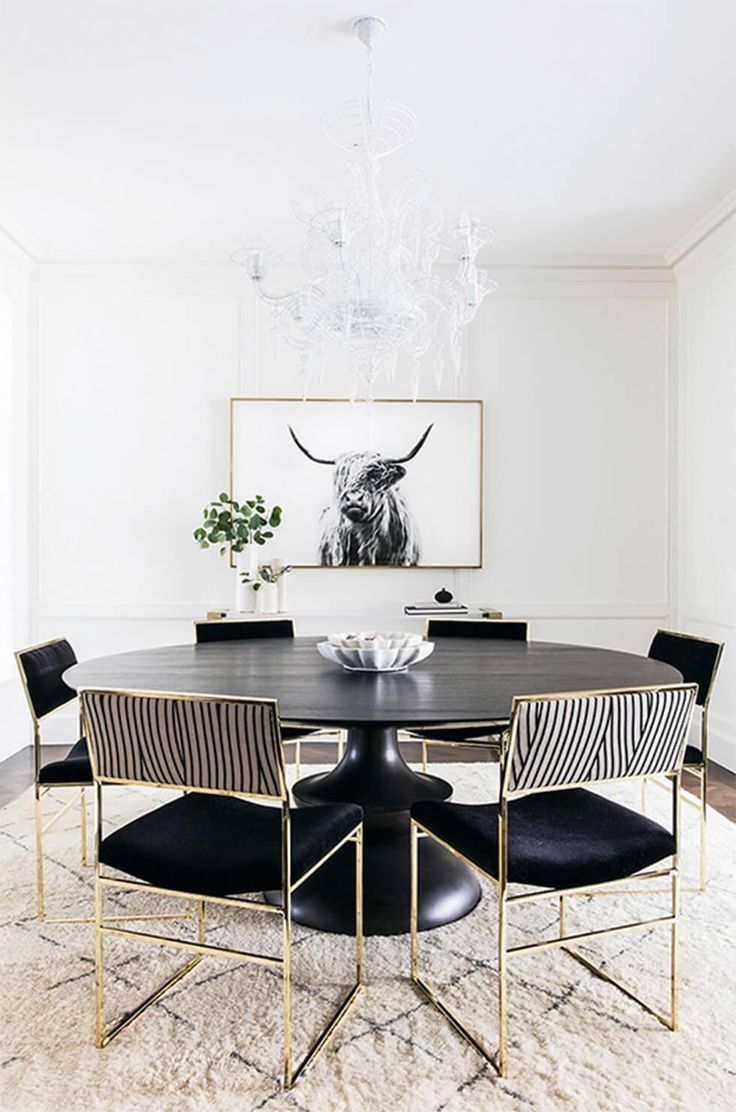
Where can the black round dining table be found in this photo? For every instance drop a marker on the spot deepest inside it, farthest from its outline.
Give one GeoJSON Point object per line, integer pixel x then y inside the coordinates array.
{"type": "Point", "coordinates": [464, 681]}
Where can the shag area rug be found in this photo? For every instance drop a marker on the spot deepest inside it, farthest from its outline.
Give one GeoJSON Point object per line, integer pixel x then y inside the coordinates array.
{"type": "Point", "coordinates": [214, 1041]}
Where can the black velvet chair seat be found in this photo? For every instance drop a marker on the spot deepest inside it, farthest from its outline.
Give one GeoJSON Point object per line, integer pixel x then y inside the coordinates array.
{"type": "Point", "coordinates": [558, 839]}
{"type": "Point", "coordinates": [693, 755]}
{"type": "Point", "coordinates": [462, 733]}
{"type": "Point", "coordinates": [74, 769]}
{"type": "Point", "coordinates": [219, 846]}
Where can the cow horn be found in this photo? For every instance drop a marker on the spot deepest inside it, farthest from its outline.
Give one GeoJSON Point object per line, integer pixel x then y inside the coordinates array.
{"type": "Point", "coordinates": [309, 455]}
{"type": "Point", "coordinates": [417, 446]}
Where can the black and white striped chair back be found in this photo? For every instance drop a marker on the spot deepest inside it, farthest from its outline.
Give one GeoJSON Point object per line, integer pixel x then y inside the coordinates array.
{"type": "Point", "coordinates": [206, 743]}
{"type": "Point", "coordinates": [559, 741]}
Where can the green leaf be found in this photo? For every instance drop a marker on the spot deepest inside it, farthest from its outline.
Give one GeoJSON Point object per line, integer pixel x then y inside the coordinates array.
{"type": "Point", "coordinates": [224, 498]}
{"type": "Point", "coordinates": [223, 550]}
{"type": "Point", "coordinates": [250, 504]}
{"type": "Point", "coordinates": [267, 533]}
{"type": "Point", "coordinates": [259, 539]}
{"type": "Point", "coordinates": [275, 518]}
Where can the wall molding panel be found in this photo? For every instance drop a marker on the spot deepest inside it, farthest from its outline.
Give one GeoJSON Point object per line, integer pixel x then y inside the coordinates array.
{"type": "Point", "coordinates": [706, 530]}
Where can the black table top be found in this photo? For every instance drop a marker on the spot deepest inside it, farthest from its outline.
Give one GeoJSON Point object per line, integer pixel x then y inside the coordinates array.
{"type": "Point", "coordinates": [463, 681]}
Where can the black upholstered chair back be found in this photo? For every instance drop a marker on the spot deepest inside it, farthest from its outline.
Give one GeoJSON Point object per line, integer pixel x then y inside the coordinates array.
{"type": "Point", "coordinates": [559, 741]}
{"type": "Point", "coordinates": [41, 668]}
{"type": "Point", "coordinates": [242, 631]}
{"type": "Point", "coordinates": [695, 657]}
{"type": "Point", "coordinates": [201, 742]}
{"type": "Point", "coordinates": [495, 629]}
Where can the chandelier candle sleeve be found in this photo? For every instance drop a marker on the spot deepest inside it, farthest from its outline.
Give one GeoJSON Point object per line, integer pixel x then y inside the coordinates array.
{"type": "Point", "coordinates": [370, 285]}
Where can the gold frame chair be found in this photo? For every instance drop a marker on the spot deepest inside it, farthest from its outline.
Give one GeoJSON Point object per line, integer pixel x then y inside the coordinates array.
{"type": "Point", "coordinates": [40, 790]}
{"type": "Point", "coordinates": [563, 940]}
{"type": "Point", "coordinates": [200, 948]}
{"type": "Point", "coordinates": [492, 743]}
{"type": "Point", "coordinates": [699, 771]}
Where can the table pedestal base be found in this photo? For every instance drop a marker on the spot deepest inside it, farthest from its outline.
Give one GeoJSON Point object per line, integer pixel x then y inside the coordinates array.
{"type": "Point", "coordinates": [374, 774]}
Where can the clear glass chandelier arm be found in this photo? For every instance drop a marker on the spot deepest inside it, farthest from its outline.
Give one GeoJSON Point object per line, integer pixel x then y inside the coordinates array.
{"type": "Point", "coordinates": [371, 285]}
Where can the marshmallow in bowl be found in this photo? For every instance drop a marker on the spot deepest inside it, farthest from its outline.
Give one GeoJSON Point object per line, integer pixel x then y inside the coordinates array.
{"type": "Point", "coordinates": [375, 640]}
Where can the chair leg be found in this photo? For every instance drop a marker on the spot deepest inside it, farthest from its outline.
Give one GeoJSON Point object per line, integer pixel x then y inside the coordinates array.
{"type": "Point", "coordinates": [502, 1040]}
{"type": "Point", "coordinates": [83, 824]}
{"type": "Point", "coordinates": [99, 968]}
{"type": "Point", "coordinates": [703, 825]}
{"type": "Point", "coordinates": [673, 948]}
{"type": "Point", "coordinates": [341, 745]}
{"type": "Point", "coordinates": [426, 990]}
{"type": "Point", "coordinates": [286, 974]}
{"type": "Point", "coordinates": [413, 899]}
{"type": "Point", "coordinates": [424, 755]}
{"type": "Point", "coordinates": [38, 816]}
{"type": "Point", "coordinates": [298, 758]}
{"type": "Point", "coordinates": [644, 795]}
{"type": "Point", "coordinates": [200, 921]}
{"type": "Point", "coordinates": [562, 917]}
{"type": "Point", "coordinates": [359, 907]}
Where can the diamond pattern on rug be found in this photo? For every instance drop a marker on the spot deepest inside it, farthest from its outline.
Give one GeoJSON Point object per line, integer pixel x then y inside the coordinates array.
{"type": "Point", "coordinates": [214, 1041]}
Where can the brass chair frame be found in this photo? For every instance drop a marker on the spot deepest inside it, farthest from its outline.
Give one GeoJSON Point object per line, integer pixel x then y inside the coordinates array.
{"type": "Point", "coordinates": [40, 790]}
{"type": "Point", "coordinates": [297, 741]}
{"type": "Point", "coordinates": [200, 948]}
{"type": "Point", "coordinates": [699, 771]}
{"type": "Point", "coordinates": [564, 940]}
{"type": "Point", "coordinates": [494, 747]}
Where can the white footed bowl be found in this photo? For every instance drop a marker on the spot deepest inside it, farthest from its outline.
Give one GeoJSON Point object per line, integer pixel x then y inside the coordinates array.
{"type": "Point", "coordinates": [385, 659]}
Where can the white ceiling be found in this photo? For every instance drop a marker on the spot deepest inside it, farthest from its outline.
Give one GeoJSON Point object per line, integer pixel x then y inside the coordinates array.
{"type": "Point", "coordinates": [170, 130]}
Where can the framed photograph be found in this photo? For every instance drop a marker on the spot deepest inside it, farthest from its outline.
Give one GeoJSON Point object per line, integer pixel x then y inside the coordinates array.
{"type": "Point", "coordinates": [365, 484]}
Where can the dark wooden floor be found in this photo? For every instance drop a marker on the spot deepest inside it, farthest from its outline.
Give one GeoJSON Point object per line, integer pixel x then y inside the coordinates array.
{"type": "Point", "coordinates": [16, 773]}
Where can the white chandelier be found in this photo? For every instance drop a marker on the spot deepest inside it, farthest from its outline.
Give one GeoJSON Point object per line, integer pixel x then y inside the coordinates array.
{"type": "Point", "coordinates": [370, 285]}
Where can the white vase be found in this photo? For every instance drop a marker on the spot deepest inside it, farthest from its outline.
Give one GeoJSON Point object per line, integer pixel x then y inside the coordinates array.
{"type": "Point", "coordinates": [246, 562]}
{"type": "Point", "coordinates": [267, 599]}
{"type": "Point", "coordinates": [281, 595]}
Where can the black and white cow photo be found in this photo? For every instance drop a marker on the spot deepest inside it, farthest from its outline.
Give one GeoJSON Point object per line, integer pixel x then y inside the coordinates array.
{"type": "Point", "coordinates": [381, 484]}
{"type": "Point", "coordinates": [367, 520]}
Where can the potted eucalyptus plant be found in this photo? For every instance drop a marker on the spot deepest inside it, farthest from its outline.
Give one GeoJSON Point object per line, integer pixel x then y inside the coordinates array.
{"type": "Point", "coordinates": [241, 527]}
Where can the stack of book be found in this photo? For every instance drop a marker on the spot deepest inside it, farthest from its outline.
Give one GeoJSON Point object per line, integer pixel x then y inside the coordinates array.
{"type": "Point", "coordinates": [449, 609]}
{"type": "Point", "coordinates": [420, 609]}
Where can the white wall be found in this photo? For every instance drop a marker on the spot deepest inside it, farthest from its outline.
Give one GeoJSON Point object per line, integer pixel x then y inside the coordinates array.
{"type": "Point", "coordinates": [15, 551]}
{"type": "Point", "coordinates": [135, 369]}
{"type": "Point", "coordinates": [706, 538]}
